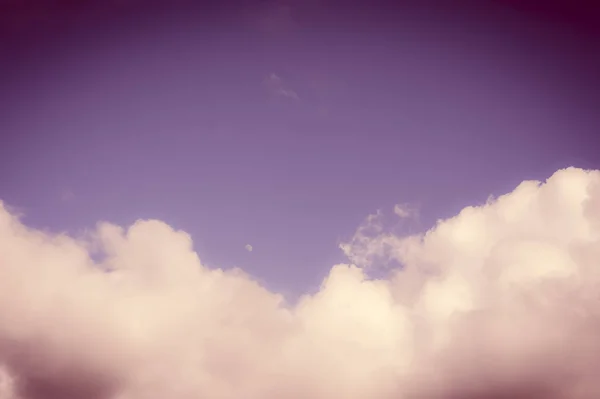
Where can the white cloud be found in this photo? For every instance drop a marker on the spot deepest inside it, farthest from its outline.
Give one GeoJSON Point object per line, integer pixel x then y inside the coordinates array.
{"type": "Point", "coordinates": [277, 87]}
{"type": "Point", "coordinates": [369, 243]}
{"type": "Point", "coordinates": [499, 301]}
{"type": "Point", "coordinates": [248, 248]}
{"type": "Point", "coordinates": [7, 388]}
{"type": "Point", "coordinates": [404, 211]}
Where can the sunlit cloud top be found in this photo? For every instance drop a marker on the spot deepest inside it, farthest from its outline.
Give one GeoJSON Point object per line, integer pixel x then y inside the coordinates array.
{"type": "Point", "coordinates": [499, 301]}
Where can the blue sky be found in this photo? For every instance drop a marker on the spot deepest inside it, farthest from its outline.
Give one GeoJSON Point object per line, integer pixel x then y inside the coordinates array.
{"type": "Point", "coordinates": [285, 129]}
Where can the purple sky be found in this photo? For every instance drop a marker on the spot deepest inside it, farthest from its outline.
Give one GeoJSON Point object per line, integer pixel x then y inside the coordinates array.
{"type": "Point", "coordinates": [282, 125]}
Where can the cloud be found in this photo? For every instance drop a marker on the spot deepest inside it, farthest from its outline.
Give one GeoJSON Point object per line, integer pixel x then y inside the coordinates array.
{"type": "Point", "coordinates": [404, 211]}
{"type": "Point", "coordinates": [500, 301]}
{"type": "Point", "coordinates": [67, 196]}
{"type": "Point", "coordinates": [369, 242]}
{"type": "Point", "coordinates": [6, 384]}
{"type": "Point", "coordinates": [273, 18]}
{"type": "Point", "coordinates": [248, 248]}
{"type": "Point", "coordinates": [276, 87]}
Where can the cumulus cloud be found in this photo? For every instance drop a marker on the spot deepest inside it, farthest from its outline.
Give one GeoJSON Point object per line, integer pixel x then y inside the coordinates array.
{"type": "Point", "coordinates": [500, 301]}
{"type": "Point", "coordinates": [248, 247]}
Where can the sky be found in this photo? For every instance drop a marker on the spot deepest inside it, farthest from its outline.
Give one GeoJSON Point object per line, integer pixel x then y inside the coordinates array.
{"type": "Point", "coordinates": [283, 125]}
{"type": "Point", "coordinates": [299, 199]}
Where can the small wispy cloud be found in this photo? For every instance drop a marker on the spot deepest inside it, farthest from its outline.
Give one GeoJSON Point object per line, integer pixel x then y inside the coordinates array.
{"type": "Point", "coordinates": [273, 19]}
{"type": "Point", "coordinates": [248, 247]}
{"type": "Point", "coordinates": [67, 196]}
{"type": "Point", "coordinates": [405, 211]}
{"type": "Point", "coordinates": [371, 244]}
{"type": "Point", "coordinates": [277, 87]}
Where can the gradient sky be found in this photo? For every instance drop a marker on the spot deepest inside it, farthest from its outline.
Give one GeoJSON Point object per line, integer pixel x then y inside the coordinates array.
{"type": "Point", "coordinates": [282, 125]}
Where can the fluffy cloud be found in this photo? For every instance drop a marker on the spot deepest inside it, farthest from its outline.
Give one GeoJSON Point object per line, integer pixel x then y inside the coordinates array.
{"type": "Point", "coordinates": [500, 301]}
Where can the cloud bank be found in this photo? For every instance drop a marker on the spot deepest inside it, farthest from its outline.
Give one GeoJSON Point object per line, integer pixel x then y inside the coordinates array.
{"type": "Point", "coordinates": [501, 301]}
